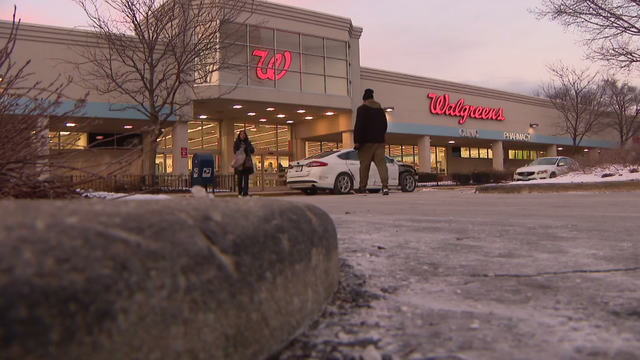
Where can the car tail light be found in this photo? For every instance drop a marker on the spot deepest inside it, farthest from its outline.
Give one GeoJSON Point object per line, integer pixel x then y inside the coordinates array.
{"type": "Point", "coordinates": [317, 164]}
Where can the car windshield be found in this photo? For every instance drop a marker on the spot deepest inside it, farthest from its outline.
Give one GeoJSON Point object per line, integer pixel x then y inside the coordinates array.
{"type": "Point", "coordinates": [322, 155]}
{"type": "Point", "coordinates": [544, 161]}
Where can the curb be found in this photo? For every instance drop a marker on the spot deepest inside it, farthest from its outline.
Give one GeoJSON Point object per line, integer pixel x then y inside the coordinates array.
{"type": "Point", "coordinates": [184, 279]}
{"type": "Point", "coordinates": [559, 188]}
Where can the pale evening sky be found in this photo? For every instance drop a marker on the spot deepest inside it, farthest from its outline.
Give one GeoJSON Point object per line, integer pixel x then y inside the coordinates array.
{"type": "Point", "coordinates": [490, 43]}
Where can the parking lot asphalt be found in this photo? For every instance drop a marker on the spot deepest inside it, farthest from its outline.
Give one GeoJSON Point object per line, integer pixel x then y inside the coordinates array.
{"type": "Point", "coordinates": [461, 275]}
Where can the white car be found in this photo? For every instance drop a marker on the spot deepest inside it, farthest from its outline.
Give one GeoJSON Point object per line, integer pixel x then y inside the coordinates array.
{"type": "Point", "coordinates": [545, 168]}
{"type": "Point", "coordinates": [339, 171]}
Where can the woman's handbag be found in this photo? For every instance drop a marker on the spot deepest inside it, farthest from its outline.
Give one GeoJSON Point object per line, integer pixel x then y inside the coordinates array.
{"type": "Point", "coordinates": [248, 163]}
{"type": "Point", "coordinates": [239, 159]}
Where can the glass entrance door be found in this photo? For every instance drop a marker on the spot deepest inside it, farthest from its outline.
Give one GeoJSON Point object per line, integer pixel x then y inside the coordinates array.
{"type": "Point", "coordinates": [270, 172]}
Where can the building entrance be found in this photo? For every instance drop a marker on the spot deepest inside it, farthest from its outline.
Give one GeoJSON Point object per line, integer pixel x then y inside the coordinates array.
{"type": "Point", "coordinates": [270, 172]}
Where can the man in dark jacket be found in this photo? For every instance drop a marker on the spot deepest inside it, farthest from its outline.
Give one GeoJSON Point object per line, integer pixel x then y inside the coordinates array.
{"type": "Point", "coordinates": [369, 140]}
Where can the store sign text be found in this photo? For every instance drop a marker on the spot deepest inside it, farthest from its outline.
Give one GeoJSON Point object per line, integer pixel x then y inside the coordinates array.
{"type": "Point", "coordinates": [517, 136]}
{"type": "Point", "coordinates": [273, 70]}
{"type": "Point", "coordinates": [440, 106]}
{"type": "Point", "coordinates": [470, 133]}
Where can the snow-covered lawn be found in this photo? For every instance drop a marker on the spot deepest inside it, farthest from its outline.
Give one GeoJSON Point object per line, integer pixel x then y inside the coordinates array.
{"type": "Point", "coordinates": [612, 173]}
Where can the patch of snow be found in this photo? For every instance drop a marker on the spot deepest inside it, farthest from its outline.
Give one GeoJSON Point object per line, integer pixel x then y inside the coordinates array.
{"type": "Point", "coordinates": [115, 196]}
{"type": "Point", "coordinates": [620, 173]}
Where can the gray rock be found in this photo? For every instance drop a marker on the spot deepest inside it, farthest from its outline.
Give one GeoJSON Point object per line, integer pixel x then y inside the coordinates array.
{"type": "Point", "coordinates": [177, 279]}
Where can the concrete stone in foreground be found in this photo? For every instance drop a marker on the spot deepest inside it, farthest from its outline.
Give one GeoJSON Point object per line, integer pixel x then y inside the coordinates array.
{"type": "Point", "coordinates": [177, 279]}
{"type": "Point", "coordinates": [559, 188]}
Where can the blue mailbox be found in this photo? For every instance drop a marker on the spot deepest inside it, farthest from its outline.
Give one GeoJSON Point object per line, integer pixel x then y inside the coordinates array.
{"type": "Point", "coordinates": [203, 172]}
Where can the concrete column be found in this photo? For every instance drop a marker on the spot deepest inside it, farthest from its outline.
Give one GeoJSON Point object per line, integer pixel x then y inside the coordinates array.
{"type": "Point", "coordinates": [227, 137]}
{"type": "Point", "coordinates": [299, 150]}
{"type": "Point", "coordinates": [424, 153]}
{"type": "Point", "coordinates": [180, 140]}
{"type": "Point", "coordinates": [552, 150]}
{"type": "Point", "coordinates": [347, 139]}
{"type": "Point", "coordinates": [498, 155]}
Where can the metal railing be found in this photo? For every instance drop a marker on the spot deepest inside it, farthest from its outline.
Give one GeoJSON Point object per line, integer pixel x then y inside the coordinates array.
{"type": "Point", "coordinates": [138, 183]}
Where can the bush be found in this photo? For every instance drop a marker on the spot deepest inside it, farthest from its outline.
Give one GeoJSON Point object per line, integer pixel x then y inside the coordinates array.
{"type": "Point", "coordinates": [481, 177]}
{"type": "Point", "coordinates": [427, 177]}
{"type": "Point", "coordinates": [498, 176]}
{"type": "Point", "coordinates": [617, 157]}
{"type": "Point", "coordinates": [462, 179]}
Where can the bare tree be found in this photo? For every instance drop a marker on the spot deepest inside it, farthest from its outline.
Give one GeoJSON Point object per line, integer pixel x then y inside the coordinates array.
{"type": "Point", "coordinates": [578, 97]}
{"type": "Point", "coordinates": [623, 102]}
{"type": "Point", "coordinates": [609, 28]}
{"type": "Point", "coordinates": [27, 107]}
{"type": "Point", "coordinates": [152, 53]}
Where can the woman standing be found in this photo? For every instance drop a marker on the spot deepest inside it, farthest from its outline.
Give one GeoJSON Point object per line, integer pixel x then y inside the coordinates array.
{"type": "Point", "coordinates": [243, 143]}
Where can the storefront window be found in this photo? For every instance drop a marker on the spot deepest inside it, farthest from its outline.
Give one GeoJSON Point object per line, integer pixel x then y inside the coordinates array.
{"type": "Point", "coordinates": [523, 154]}
{"type": "Point", "coordinates": [267, 137]}
{"type": "Point", "coordinates": [439, 160]}
{"type": "Point", "coordinates": [318, 147]}
{"type": "Point", "coordinates": [336, 49]}
{"type": "Point", "coordinates": [67, 140]}
{"type": "Point", "coordinates": [165, 141]}
{"type": "Point", "coordinates": [254, 80]}
{"type": "Point", "coordinates": [472, 153]}
{"type": "Point", "coordinates": [164, 163]}
{"type": "Point", "coordinates": [409, 154]}
{"type": "Point", "coordinates": [395, 152]}
{"type": "Point", "coordinates": [312, 148]}
{"type": "Point", "coordinates": [261, 36]}
{"type": "Point", "coordinates": [284, 138]}
{"type": "Point", "coordinates": [290, 82]}
{"type": "Point", "coordinates": [287, 41]}
{"type": "Point", "coordinates": [204, 135]}
{"type": "Point", "coordinates": [337, 86]}
{"type": "Point", "coordinates": [234, 54]}
{"type": "Point", "coordinates": [312, 83]}
{"type": "Point", "coordinates": [315, 65]}
{"type": "Point", "coordinates": [312, 45]}
{"type": "Point", "coordinates": [337, 68]}
{"type": "Point", "coordinates": [234, 33]}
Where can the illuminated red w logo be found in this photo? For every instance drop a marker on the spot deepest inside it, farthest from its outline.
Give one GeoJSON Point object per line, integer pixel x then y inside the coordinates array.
{"type": "Point", "coordinates": [273, 66]}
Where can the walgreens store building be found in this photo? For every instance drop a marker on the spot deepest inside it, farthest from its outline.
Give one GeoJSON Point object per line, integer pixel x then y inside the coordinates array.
{"type": "Point", "coordinates": [299, 83]}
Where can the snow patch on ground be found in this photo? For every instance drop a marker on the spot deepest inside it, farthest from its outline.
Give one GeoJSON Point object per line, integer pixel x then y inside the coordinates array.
{"type": "Point", "coordinates": [614, 172]}
{"type": "Point", "coordinates": [114, 196]}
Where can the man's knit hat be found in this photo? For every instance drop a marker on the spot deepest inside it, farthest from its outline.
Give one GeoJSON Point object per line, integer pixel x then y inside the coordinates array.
{"type": "Point", "coordinates": [368, 94]}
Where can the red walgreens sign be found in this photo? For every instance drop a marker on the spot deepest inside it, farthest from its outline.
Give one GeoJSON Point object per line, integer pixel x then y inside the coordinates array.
{"type": "Point", "coordinates": [440, 105]}
{"type": "Point", "coordinates": [273, 65]}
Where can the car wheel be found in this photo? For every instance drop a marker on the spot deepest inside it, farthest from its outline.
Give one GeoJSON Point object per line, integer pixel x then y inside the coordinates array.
{"type": "Point", "coordinates": [311, 191]}
{"type": "Point", "coordinates": [553, 175]}
{"type": "Point", "coordinates": [407, 183]}
{"type": "Point", "coordinates": [343, 184]}
{"type": "Point", "coordinates": [374, 191]}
